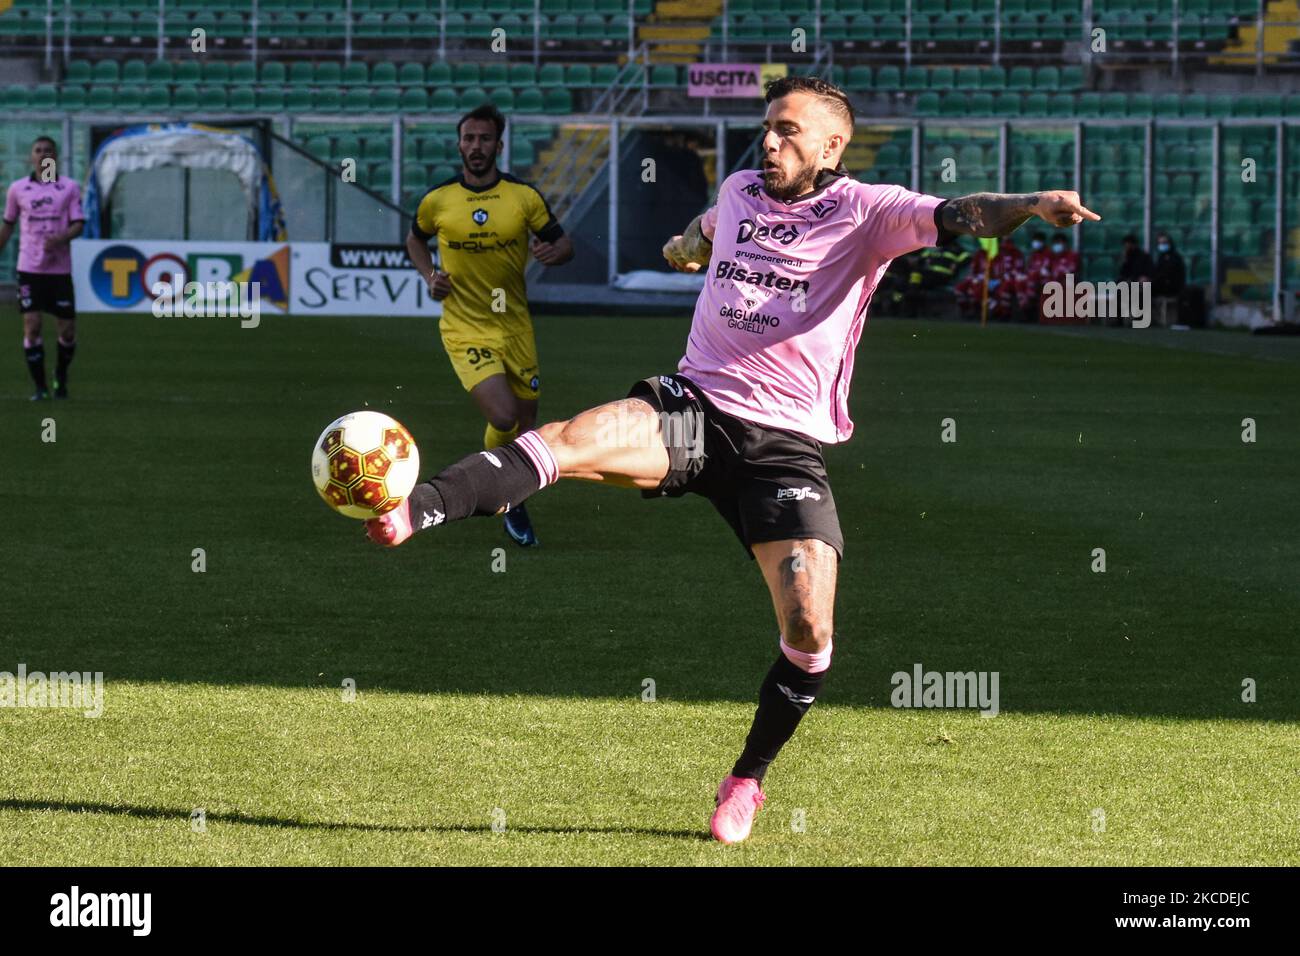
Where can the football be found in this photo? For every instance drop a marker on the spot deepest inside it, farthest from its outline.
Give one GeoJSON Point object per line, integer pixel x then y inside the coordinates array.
{"type": "Point", "coordinates": [364, 464]}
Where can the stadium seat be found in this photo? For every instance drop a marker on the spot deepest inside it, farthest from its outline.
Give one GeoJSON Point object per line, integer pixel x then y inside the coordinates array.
{"type": "Point", "coordinates": [129, 99]}
{"type": "Point", "coordinates": [354, 74]}
{"type": "Point", "coordinates": [384, 74]}
{"type": "Point", "coordinates": [444, 100]}
{"type": "Point", "coordinates": [72, 97]}
{"type": "Point", "coordinates": [327, 73]}
{"type": "Point", "coordinates": [134, 73]}
{"type": "Point", "coordinates": [186, 71]}
{"type": "Point", "coordinates": [415, 99]}
{"type": "Point", "coordinates": [327, 100]}
{"type": "Point", "coordinates": [184, 97]}
{"type": "Point", "coordinates": [157, 99]}
{"type": "Point", "coordinates": [78, 72]}
{"type": "Point", "coordinates": [297, 99]}
{"type": "Point", "coordinates": [271, 100]}
{"type": "Point", "coordinates": [558, 100]}
{"type": "Point", "coordinates": [356, 100]}
{"type": "Point", "coordinates": [530, 100]}
{"type": "Point", "coordinates": [411, 74]}
{"type": "Point", "coordinates": [472, 97]}
{"type": "Point", "coordinates": [439, 74]}
{"type": "Point", "coordinates": [503, 98]}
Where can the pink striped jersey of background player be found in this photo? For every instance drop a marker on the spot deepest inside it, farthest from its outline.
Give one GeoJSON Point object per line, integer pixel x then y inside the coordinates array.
{"type": "Point", "coordinates": [46, 209]}
{"type": "Point", "coordinates": [786, 294]}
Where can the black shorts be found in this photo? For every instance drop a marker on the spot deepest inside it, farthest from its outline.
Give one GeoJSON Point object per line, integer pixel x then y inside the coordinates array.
{"type": "Point", "coordinates": [49, 293]}
{"type": "Point", "coordinates": [768, 483]}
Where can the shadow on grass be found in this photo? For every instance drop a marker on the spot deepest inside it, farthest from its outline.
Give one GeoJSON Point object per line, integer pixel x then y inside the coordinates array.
{"type": "Point", "coordinates": [264, 820]}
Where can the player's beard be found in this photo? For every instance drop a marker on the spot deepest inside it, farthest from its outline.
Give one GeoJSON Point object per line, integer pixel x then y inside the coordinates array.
{"type": "Point", "coordinates": [786, 187]}
{"type": "Point", "coordinates": [479, 165]}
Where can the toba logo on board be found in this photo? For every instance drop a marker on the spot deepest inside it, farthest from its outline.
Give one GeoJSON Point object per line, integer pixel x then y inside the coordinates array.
{"type": "Point", "coordinates": [121, 275]}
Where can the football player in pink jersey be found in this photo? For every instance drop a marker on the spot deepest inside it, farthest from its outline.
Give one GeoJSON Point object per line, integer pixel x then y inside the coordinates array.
{"type": "Point", "coordinates": [47, 207]}
{"type": "Point", "coordinates": [793, 252]}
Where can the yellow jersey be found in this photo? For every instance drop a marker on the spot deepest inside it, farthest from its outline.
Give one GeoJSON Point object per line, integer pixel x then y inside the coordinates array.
{"type": "Point", "coordinates": [483, 237]}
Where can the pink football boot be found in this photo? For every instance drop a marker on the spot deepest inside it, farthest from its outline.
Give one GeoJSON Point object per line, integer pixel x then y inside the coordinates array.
{"type": "Point", "coordinates": [391, 529]}
{"type": "Point", "coordinates": [739, 798]}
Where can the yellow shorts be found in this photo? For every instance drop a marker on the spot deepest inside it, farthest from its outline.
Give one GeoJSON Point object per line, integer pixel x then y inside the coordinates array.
{"type": "Point", "coordinates": [476, 357]}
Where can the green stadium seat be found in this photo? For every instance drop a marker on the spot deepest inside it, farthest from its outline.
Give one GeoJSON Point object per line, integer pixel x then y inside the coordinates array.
{"type": "Point", "coordinates": [603, 75]}
{"type": "Point", "coordinates": [530, 100]}
{"type": "Point", "coordinates": [157, 99]}
{"type": "Point", "coordinates": [297, 99]}
{"type": "Point", "coordinates": [1114, 105]}
{"type": "Point", "coordinates": [981, 103]}
{"type": "Point", "coordinates": [386, 99]}
{"type": "Point", "coordinates": [357, 100]}
{"type": "Point", "coordinates": [72, 97]}
{"type": "Point", "coordinates": [134, 72]}
{"type": "Point", "coordinates": [860, 78]}
{"type": "Point", "coordinates": [1006, 103]}
{"type": "Point", "coordinates": [1141, 105]}
{"type": "Point", "coordinates": [411, 74]}
{"type": "Point", "coordinates": [466, 74]}
{"type": "Point", "coordinates": [327, 100]}
{"type": "Point", "coordinates": [384, 74]}
{"type": "Point", "coordinates": [16, 98]}
{"type": "Point", "coordinates": [1088, 105]}
{"type": "Point", "coordinates": [346, 146]}
{"type": "Point", "coordinates": [185, 97]}
{"type": "Point", "coordinates": [355, 73]}
{"type": "Point", "coordinates": [271, 100]}
{"type": "Point", "coordinates": [1035, 104]}
{"type": "Point", "coordinates": [522, 74]}
{"type": "Point", "coordinates": [471, 97]}
{"type": "Point", "coordinates": [942, 78]}
{"type": "Point", "coordinates": [1020, 79]}
{"type": "Point", "coordinates": [503, 98]}
{"type": "Point", "coordinates": [888, 78]}
{"type": "Point", "coordinates": [78, 71]}
{"type": "Point", "coordinates": [444, 100]}
{"type": "Point", "coordinates": [439, 74]}
{"type": "Point", "coordinates": [558, 100]}
{"type": "Point", "coordinates": [186, 71]}
{"type": "Point", "coordinates": [129, 99]}
{"type": "Point", "coordinates": [577, 76]}
{"type": "Point", "coordinates": [664, 75]}
{"type": "Point", "coordinates": [107, 71]}
{"type": "Point", "coordinates": [216, 71]}
{"type": "Point", "coordinates": [327, 73]}
{"type": "Point", "coordinates": [415, 99]}
{"type": "Point", "coordinates": [1047, 78]}
{"type": "Point", "coordinates": [1167, 105]}
{"type": "Point", "coordinates": [493, 74]}
{"type": "Point", "coordinates": [243, 73]}
{"type": "Point", "coordinates": [928, 103]}
{"type": "Point", "coordinates": [425, 25]}
{"type": "Point", "coordinates": [213, 97]}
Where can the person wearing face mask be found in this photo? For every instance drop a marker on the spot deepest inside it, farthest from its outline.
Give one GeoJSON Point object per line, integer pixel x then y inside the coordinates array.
{"type": "Point", "coordinates": [1169, 279]}
{"type": "Point", "coordinates": [1136, 264]}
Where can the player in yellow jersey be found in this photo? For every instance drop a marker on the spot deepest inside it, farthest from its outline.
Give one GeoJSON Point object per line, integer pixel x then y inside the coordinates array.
{"type": "Point", "coordinates": [483, 219]}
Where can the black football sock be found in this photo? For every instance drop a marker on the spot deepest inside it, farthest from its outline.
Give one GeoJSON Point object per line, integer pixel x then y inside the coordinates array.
{"type": "Point", "coordinates": [66, 352]}
{"type": "Point", "coordinates": [785, 696]}
{"type": "Point", "coordinates": [484, 483]}
{"type": "Point", "coordinates": [36, 363]}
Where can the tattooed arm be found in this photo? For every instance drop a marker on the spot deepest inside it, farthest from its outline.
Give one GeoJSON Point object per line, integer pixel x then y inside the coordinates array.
{"type": "Point", "coordinates": [999, 214]}
{"type": "Point", "coordinates": [690, 251]}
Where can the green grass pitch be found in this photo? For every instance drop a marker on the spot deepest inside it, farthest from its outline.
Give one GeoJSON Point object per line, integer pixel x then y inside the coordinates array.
{"type": "Point", "coordinates": [517, 696]}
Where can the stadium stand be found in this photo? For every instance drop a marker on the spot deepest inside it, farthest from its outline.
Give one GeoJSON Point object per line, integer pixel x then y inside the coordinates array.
{"type": "Point", "coordinates": [337, 75]}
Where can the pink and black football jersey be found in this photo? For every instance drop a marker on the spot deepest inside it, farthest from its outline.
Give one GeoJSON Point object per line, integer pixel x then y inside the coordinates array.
{"type": "Point", "coordinates": [786, 295]}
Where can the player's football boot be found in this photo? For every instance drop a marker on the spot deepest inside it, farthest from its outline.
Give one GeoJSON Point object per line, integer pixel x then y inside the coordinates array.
{"type": "Point", "coordinates": [393, 528]}
{"type": "Point", "coordinates": [60, 389]}
{"type": "Point", "coordinates": [40, 395]}
{"type": "Point", "coordinates": [520, 528]}
{"type": "Point", "coordinates": [739, 798]}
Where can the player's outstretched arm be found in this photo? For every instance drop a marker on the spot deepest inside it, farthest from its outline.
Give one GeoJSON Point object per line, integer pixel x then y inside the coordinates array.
{"type": "Point", "coordinates": [999, 214]}
{"type": "Point", "coordinates": [690, 251]}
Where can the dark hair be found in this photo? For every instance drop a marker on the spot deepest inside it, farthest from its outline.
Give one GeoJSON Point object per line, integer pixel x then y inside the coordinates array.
{"type": "Point", "coordinates": [1131, 238]}
{"type": "Point", "coordinates": [1061, 237]}
{"type": "Point", "coordinates": [45, 139]}
{"type": "Point", "coordinates": [836, 100]}
{"type": "Point", "coordinates": [1038, 235]}
{"type": "Point", "coordinates": [485, 112]}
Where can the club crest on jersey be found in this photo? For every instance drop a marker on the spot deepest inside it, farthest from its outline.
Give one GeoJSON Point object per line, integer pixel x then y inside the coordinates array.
{"type": "Point", "coordinates": [774, 231]}
{"type": "Point", "coordinates": [480, 216]}
{"type": "Point", "coordinates": [671, 385]}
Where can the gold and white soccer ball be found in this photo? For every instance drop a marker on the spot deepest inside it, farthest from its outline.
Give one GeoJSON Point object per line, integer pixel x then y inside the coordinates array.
{"type": "Point", "coordinates": [364, 464]}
